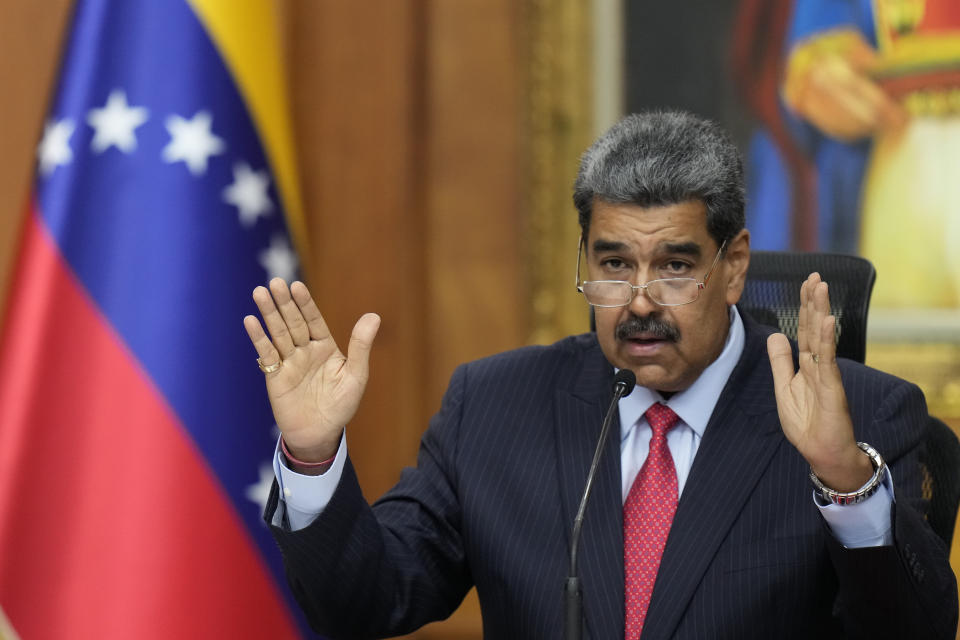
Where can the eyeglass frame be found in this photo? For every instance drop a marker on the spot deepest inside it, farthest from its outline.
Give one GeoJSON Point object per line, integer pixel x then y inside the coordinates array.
{"type": "Point", "coordinates": [701, 284]}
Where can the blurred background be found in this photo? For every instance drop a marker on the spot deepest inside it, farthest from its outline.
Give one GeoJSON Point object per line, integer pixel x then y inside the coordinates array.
{"type": "Point", "coordinates": [437, 142]}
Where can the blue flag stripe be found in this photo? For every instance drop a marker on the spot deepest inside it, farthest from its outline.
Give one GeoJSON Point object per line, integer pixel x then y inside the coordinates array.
{"type": "Point", "coordinates": [170, 237]}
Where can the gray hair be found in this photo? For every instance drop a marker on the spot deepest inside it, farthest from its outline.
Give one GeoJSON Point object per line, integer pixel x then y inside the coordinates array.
{"type": "Point", "coordinates": [661, 158]}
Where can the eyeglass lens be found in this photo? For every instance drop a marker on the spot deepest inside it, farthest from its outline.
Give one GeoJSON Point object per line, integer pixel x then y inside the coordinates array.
{"type": "Point", "coordinates": [669, 291]}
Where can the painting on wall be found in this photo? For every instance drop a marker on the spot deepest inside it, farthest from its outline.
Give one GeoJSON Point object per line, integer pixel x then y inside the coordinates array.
{"type": "Point", "coordinates": [848, 116]}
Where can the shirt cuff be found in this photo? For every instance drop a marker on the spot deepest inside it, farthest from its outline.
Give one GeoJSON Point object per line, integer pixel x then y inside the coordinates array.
{"type": "Point", "coordinates": [864, 524]}
{"type": "Point", "coordinates": [305, 497]}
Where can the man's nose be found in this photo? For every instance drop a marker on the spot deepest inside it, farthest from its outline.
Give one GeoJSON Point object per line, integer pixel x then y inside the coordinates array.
{"type": "Point", "coordinates": [641, 305]}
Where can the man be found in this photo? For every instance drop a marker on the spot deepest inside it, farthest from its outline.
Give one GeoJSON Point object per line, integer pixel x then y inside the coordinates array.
{"type": "Point", "coordinates": [702, 522]}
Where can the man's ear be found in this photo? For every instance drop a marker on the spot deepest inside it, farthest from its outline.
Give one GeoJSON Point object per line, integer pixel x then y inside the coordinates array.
{"type": "Point", "coordinates": [737, 260]}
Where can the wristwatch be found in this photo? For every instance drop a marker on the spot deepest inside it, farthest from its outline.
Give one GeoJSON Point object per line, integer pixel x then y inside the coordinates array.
{"type": "Point", "coordinates": [864, 492]}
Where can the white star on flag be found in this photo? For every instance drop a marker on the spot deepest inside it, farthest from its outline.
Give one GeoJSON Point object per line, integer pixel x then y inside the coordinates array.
{"type": "Point", "coordinates": [192, 141]}
{"type": "Point", "coordinates": [114, 123]}
{"type": "Point", "coordinates": [279, 260]}
{"type": "Point", "coordinates": [260, 491]}
{"type": "Point", "coordinates": [249, 193]}
{"type": "Point", "coordinates": [54, 148]}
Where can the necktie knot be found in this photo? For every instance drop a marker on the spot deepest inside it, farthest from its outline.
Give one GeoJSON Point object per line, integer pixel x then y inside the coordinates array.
{"type": "Point", "coordinates": [661, 419]}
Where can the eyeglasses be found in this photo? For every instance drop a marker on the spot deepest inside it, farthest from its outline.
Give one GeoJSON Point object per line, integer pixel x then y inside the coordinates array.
{"type": "Point", "coordinates": [666, 292]}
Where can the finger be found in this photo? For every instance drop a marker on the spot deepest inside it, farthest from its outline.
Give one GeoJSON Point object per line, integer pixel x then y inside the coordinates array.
{"type": "Point", "coordinates": [828, 370]}
{"type": "Point", "coordinates": [274, 321]}
{"type": "Point", "coordinates": [810, 329]}
{"type": "Point", "coordinates": [802, 318]}
{"type": "Point", "coordinates": [781, 363]}
{"type": "Point", "coordinates": [265, 350]}
{"type": "Point", "coordinates": [361, 341]}
{"type": "Point", "coordinates": [803, 313]}
{"type": "Point", "coordinates": [290, 312]}
{"type": "Point", "coordinates": [315, 322]}
{"type": "Point", "coordinates": [820, 303]}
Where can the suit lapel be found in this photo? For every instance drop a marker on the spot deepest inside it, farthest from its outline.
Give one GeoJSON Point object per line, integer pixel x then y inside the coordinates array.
{"type": "Point", "coordinates": [580, 406]}
{"type": "Point", "coordinates": [740, 439]}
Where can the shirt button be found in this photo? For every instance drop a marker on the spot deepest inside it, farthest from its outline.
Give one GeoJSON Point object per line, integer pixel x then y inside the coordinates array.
{"type": "Point", "coordinates": [287, 492]}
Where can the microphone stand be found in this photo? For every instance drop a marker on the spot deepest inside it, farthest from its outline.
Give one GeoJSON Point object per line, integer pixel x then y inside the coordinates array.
{"type": "Point", "coordinates": [623, 384]}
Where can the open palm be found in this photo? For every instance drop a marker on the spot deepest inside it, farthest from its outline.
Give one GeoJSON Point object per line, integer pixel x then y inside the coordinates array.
{"type": "Point", "coordinates": [811, 401]}
{"type": "Point", "coordinates": [316, 389]}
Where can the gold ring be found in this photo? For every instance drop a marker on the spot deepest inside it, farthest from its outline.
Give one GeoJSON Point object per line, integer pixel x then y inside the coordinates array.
{"type": "Point", "coordinates": [815, 356]}
{"type": "Point", "coordinates": [268, 368]}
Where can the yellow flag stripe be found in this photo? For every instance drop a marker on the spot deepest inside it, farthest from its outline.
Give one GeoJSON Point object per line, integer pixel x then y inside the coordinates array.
{"type": "Point", "coordinates": [247, 34]}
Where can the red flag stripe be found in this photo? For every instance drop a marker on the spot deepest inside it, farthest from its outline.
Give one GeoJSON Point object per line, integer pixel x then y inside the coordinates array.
{"type": "Point", "coordinates": [99, 522]}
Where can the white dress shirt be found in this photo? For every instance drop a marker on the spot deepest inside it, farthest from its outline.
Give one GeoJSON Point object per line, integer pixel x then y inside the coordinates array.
{"type": "Point", "coordinates": [863, 524]}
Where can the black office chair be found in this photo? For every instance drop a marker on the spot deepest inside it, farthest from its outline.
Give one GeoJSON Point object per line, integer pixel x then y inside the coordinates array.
{"type": "Point", "coordinates": [772, 293]}
{"type": "Point", "coordinates": [941, 483]}
{"type": "Point", "coordinates": [772, 296]}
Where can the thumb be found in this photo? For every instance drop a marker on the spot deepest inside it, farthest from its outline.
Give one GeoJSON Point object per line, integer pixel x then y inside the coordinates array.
{"type": "Point", "coordinates": [781, 361]}
{"type": "Point", "coordinates": [361, 341]}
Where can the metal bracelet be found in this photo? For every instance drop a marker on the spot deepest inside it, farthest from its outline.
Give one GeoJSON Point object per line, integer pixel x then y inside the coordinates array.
{"type": "Point", "coordinates": [864, 492]}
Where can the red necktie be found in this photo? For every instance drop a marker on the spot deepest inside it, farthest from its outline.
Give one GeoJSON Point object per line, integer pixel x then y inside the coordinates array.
{"type": "Point", "coordinates": [647, 516]}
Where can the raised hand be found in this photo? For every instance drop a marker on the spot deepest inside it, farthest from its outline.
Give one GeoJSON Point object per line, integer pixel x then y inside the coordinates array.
{"type": "Point", "coordinates": [811, 402]}
{"type": "Point", "coordinates": [315, 390]}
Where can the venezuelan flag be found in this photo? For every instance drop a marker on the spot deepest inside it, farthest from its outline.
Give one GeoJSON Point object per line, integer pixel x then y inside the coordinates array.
{"type": "Point", "coordinates": [135, 434]}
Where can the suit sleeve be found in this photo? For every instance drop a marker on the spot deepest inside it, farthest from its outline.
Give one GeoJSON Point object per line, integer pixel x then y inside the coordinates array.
{"type": "Point", "coordinates": [362, 572]}
{"type": "Point", "coordinates": [907, 589]}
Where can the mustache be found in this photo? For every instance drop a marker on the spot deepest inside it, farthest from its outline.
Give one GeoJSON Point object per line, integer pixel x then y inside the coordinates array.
{"type": "Point", "coordinates": [650, 325]}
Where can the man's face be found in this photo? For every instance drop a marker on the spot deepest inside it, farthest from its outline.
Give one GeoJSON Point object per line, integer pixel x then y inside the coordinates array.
{"type": "Point", "coordinates": [666, 347]}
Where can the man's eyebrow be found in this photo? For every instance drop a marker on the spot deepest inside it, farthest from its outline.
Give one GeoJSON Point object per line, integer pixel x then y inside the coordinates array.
{"type": "Point", "coordinates": [601, 246]}
{"type": "Point", "coordinates": [616, 246]}
{"type": "Point", "coordinates": [683, 248]}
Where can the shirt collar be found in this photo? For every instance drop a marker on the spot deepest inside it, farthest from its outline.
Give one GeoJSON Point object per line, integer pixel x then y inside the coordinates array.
{"type": "Point", "coordinates": [695, 404]}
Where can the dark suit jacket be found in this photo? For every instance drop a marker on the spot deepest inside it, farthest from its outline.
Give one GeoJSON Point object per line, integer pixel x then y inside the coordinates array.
{"type": "Point", "coordinates": [497, 484]}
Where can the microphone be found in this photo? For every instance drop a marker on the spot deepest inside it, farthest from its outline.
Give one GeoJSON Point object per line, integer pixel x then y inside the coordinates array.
{"type": "Point", "coordinates": [623, 384]}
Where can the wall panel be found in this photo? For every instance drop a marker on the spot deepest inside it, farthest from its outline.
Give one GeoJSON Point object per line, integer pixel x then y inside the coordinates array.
{"type": "Point", "coordinates": [30, 35]}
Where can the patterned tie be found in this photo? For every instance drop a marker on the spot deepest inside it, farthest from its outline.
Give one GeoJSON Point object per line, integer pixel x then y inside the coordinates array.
{"type": "Point", "coordinates": [647, 516]}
